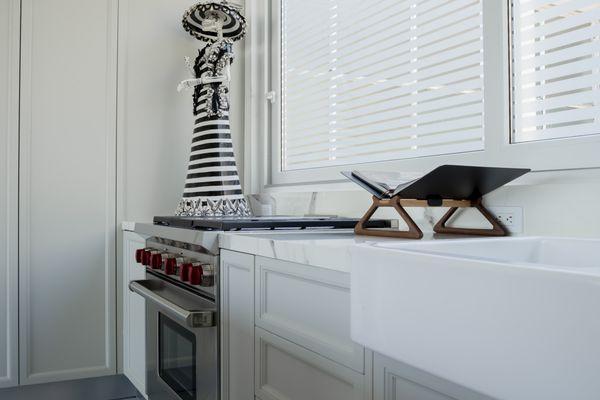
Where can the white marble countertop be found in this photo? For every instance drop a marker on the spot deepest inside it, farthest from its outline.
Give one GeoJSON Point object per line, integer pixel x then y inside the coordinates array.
{"type": "Point", "coordinates": [325, 248]}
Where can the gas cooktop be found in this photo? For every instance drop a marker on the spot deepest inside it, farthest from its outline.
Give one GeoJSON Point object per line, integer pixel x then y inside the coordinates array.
{"type": "Point", "coordinates": [264, 223]}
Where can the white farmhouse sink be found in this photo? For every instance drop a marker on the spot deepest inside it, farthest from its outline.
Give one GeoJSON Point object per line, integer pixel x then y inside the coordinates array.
{"type": "Point", "coordinates": [513, 318]}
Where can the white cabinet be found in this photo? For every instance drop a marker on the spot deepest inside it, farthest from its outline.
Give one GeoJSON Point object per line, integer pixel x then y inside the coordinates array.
{"type": "Point", "coordinates": [67, 189]}
{"type": "Point", "coordinates": [309, 306]}
{"type": "Point", "coordinates": [285, 371]}
{"type": "Point", "coordinates": [9, 139]}
{"type": "Point", "coordinates": [134, 314]}
{"type": "Point", "coordinates": [286, 332]}
{"type": "Point", "coordinates": [394, 380]}
{"type": "Point", "coordinates": [237, 325]}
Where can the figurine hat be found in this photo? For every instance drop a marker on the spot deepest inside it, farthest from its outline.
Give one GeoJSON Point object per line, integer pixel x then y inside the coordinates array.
{"type": "Point", "coordinates": [228, 14]}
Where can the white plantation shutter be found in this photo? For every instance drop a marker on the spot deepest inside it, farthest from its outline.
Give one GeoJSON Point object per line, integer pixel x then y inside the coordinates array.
{"type": "Point", "coordinates": [555, 69]}
{"type": "Point", "coordinates": [375, 80]}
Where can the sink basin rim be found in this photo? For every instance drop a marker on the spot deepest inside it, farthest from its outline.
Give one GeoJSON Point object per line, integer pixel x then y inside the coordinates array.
{"type": "Point", "coordinates": [429, 248]}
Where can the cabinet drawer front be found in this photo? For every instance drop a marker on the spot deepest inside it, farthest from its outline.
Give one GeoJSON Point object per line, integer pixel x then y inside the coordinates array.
{"type": "Point", "coordinates": [394, 380]}
{"type": "Point", "coordinates": [286, 371]}
{"type": "Point", "coordinates": [309, 306]}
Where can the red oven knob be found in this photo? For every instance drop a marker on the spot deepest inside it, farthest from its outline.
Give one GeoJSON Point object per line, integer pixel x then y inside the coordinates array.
{"type": "Point", "coordinates": [196, 274]}
{"type": "Point", "coordinates": [184, 271]}
{"type": "Point", "coordinates": [152, 259]}
{"type": "Point", "coordinates": [170, 266]}
{"type": "Point", "coordinates": [138, 255]}
{"type": "Point", "coordinates": [156, 260]}
{"type": "Point", "coordinates": [146, 257]}
{"type": "Point", "coordinates": [173, 267]}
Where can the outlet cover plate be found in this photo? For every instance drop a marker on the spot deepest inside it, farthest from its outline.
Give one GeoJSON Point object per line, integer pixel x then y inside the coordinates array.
{"type": "Point", "coordinates": [510, 217]}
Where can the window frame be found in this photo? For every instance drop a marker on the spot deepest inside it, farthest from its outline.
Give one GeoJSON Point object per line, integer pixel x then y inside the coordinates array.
{"type": "Point", "coordinates": [512, 117]}
{"type": "Point", "coordinates": [263, 117]}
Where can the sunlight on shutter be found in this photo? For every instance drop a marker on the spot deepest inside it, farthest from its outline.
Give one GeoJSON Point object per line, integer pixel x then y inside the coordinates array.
{"type": "Point", "coordinates": [367, 81]}
{"type": "Point", "coordinates": [555, 69]}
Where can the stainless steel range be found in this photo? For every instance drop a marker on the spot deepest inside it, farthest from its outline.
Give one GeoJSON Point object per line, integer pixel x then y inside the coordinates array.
{"type": "Point", "coordinates": [182, 320]}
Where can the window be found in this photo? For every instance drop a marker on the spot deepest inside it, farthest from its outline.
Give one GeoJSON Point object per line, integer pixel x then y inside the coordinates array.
{"type": "Point", "coordinates": [366, 81]}
{"type": "Point", "coordinates": [408, 85]}
{"type": "Point", "coordinates": [555, 69]}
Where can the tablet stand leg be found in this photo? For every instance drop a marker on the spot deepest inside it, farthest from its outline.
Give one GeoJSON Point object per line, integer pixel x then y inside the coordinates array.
{"type": "Point", "coordinates": [497, 229]}
{"type": "Point", "coordinates": [413, 231]}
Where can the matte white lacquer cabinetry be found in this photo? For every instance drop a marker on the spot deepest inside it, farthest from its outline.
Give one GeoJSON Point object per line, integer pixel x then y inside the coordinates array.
{"type": "Point", "coordinates": [134, 314]}
{"type": "Point", "coordinates": [237, 325]}
{"type": "Point", "coordinates": [9, 139]}
{"type": "Point", "coordinates": [394, 380]}
{"type": "Point", "coordinates": [303, 346]}
{"type": "Point", "coordinates": [285, 370]}
{"type": "Point", "coordinates": [309, 306]}
{"type": "Point", "coordinates": [67, 189]}
{"type": "Point", "coordinates": [286, 332]}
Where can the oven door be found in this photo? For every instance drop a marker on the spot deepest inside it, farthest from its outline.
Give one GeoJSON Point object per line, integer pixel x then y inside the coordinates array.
{"type": "Point", "coordinates": [181, 342]}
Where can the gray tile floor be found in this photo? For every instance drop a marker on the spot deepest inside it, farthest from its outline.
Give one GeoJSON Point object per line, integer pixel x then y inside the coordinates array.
{"type": "Point", "coordinates": [115, 387]}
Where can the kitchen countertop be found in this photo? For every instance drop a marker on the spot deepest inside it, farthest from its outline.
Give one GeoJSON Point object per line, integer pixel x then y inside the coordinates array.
{"type": "Point", "coordinates": [320, 249]}
{"type": "Point", "coordinates": [325, 248]}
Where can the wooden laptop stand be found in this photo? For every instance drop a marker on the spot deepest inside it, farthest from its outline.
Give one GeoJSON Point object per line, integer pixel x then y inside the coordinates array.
{"type": "Point", "coordinates": [414, 232]}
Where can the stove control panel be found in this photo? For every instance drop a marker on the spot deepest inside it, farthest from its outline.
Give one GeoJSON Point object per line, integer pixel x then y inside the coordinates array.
{"type": "Point", "coordinates": [187, 269]}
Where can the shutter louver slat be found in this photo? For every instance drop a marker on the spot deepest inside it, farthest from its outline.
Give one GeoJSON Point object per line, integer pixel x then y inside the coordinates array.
{"type": "Point", "coordinates": [558, 25]}
{"type": "Point", "coordinates": [390, 79]}
{"type": "Point", "coordinates": [551, 73]}
{"type": "Point", "coordinates": [569, 36]}
{"type": "Point", "coordinates": [551, 103]}
{"type": "Point", "coordinates": [543, 11]}
{"type": "Point", "coordinates": [550, 59]}
{"type": "Point", "coordinates": [555, 69]}
{"type": "Point", "coordinates": [560, 86]}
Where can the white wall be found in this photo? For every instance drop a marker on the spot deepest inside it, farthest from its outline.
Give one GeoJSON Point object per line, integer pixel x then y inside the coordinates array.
{"type": "Point", "coordinates": [556, 204]}
{"type": "Point", "coordinates": [9, 119]}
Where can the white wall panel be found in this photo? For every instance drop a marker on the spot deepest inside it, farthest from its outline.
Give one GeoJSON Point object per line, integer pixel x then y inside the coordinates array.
{"type": "Point", "coordinates": [9, 119]}
{"type": "Point", "coordinates": [67, 189]}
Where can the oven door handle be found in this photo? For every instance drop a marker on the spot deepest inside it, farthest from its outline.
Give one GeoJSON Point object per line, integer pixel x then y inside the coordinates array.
{"type": "Point", "coordinates": [193, 319]}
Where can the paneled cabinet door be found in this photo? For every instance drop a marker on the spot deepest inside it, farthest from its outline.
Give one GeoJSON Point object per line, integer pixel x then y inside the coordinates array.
{"type": "Point", "coordinates": [67, 196]}
{"type": "Point", "coordinates": [9, 117]}
{"type": "Point", "coordinates": [309, 306]}
{"type": "Point", "coordinates": [237, 325]}
{"type": "Point", "coordinates": [394, 380]}
{"type": "Point", "coordinates": [287, 371]}
{"type": "Point", "coordinates": [134, 314]}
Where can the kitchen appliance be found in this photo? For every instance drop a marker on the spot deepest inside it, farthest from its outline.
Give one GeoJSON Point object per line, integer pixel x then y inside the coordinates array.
{"type": "Point", "coordinates": [264, 223]}
{"type": "Point", "coordinates": [182, 320]}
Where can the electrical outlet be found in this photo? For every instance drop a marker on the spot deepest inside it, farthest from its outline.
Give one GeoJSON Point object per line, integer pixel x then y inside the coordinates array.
{"type": "Point", "coordinates": [510, 217]}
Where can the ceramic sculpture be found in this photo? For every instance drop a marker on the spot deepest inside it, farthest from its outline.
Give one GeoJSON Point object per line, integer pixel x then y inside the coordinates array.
{"type": "Point", "coordinates": [212, 186]}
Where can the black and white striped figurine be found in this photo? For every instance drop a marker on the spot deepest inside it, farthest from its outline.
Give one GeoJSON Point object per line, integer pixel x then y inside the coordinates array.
{"type": "Point", "coordinates": [212, 186]}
